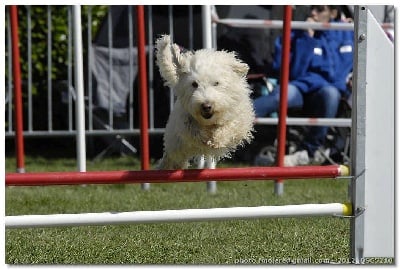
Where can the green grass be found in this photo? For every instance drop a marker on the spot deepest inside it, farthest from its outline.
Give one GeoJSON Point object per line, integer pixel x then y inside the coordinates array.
{"type": "Point", "coordinates": [221, 242]}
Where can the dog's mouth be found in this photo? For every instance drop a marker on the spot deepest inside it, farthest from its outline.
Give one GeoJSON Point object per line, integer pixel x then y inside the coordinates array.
{"type": "Point", "coordinates": [206, 115]}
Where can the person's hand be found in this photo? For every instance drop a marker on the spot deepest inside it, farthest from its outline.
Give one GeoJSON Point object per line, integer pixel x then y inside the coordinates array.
{"type": "Point", "coordinates": [310, 31]}
{"type": "Point", "coordinates": [345, 19]}
{"type": "Point", "coordinates": [349, 81]}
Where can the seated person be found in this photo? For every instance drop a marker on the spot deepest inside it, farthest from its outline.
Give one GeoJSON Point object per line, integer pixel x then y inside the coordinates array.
{"type": "Point", "coordinates": [320, 62]}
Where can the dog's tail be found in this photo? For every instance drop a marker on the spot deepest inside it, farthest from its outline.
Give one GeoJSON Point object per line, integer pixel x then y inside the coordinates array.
{"type": "Point", "coordinates": [167, 57]}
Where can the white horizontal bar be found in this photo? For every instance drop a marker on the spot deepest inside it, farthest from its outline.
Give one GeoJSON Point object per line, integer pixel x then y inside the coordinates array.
{"type": "Point", "coordinates": [297, 121]}
{"type": "Point", "coordinates": [278, 24]}
{"type": "Point", "coordinates": [98, 132]}
{"type": "Point", "coordinates": [109, 218]}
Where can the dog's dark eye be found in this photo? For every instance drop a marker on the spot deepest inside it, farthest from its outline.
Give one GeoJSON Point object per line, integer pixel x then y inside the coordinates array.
{"type": "Point", "coordinates": [216, 83]}
{"type": "Point", "coordinates": [195, 84]}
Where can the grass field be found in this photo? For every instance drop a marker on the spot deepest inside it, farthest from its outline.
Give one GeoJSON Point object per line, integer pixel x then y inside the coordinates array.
{"type": "Point", "coordinates": [260, 241]}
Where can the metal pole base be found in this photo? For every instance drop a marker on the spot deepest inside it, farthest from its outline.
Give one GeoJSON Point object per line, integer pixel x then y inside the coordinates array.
{"type": "Point", "coordinates": [278, 188]}
{"type": "Point", "coordinates": [212, 187]}
{"type": "Point", "coordinates": [20, 170]}
{"type": "Point", "coordinates": [145, 186]}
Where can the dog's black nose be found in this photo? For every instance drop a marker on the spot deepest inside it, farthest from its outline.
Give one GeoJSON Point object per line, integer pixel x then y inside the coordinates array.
{"type": "Point", "coordinates": [207, 110]}
{"type": "Point", "coordinates": [206, 107]}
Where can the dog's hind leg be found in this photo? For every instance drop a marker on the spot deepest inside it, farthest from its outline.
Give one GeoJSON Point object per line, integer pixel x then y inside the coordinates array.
{"type": "Point", "coordinates": [168, 163]}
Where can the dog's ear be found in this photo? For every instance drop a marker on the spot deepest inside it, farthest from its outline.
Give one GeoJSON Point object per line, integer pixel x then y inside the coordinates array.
{"type": "Point", "coordinates": [180, 59]}
{"type": "Point", "coordinates": [239, 67]}
{"type": "Point", "coordinates": [183, 62]}
{"type": "Point", "coordinates": [168, 60]}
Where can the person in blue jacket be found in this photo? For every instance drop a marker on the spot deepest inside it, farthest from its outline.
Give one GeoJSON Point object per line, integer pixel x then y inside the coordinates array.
{"type": "Point", "coordinates": [320, 62]}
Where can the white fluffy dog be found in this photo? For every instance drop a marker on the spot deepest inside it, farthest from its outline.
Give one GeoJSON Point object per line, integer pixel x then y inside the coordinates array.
{"type": "Point", "coordinates": [213, 113]}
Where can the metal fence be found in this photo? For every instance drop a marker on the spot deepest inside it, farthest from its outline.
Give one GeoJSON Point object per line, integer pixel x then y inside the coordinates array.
{"type": "Point", "coordinates": [49, 98]}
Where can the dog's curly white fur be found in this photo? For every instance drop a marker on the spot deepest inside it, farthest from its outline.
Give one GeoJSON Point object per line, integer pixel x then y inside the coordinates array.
{"type": "Point", "coordinates": [213, 113]}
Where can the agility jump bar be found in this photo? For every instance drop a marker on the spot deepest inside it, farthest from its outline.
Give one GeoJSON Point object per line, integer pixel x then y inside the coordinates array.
{"type": "Point", "coordinates": [169, 176]}
{"type": "Point", "coordinates": [182, 215]}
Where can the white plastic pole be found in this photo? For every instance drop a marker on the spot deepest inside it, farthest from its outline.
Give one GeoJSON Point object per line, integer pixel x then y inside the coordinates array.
{"type": "Point", "coordinates": [207, 43]}
{"type": "Point", "coordinates": [183, 215]}
{"type": "Point", "coordinates": [207, 31]}
{"type": "Point", "coordinates": [211, 164]}
{"type": "Point", "coordinates": [298, 121]}
{"type": "Point", "coordinates": [278, 24]}
{"type": "Point", "coordinates": [79, 105]}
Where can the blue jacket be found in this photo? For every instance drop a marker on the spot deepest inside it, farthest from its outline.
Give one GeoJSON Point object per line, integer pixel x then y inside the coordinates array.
{"type": "Point", "coordinates": [325, 59]}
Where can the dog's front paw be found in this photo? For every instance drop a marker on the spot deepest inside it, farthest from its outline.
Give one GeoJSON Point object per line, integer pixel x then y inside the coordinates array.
{"type": "Point", "coordinates": [168, 163]}
{"type": "Point", "coordinates": [212, 144]}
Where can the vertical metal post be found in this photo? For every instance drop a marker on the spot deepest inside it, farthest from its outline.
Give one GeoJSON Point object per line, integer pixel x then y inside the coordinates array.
{"type": "Point", "coordinates": [71, 90]}
{"type": "Point", "coordinates": [358, 135]}
{"type": "Point", "coordinates": [19, 138]}
{"type": "Point", "coordinates": [49, 70]}
{"type": "Point", "coordinates": [206, 21]}
{"type": "Point", "coordinates": [214, 30]}
{"type": "Point", "coordinates": [10, 72]}
{"type": "Point", "coordinates": [89, 68]}
{"type": "Point", "coordinates": [283, 95]}
{"type": "Point", "coordinates": [130, 49]}
{"type": "Point", "coordinates": [151, 67]}
{"type": "Point", "coordinates": [372, 186]}
{"type": "Point", "coordinates": [29, 56]}
{"type": "Point", "coordinates": [79, 105]}
{"type": "Point", "coordinates": [110, 73]}
{"type": "Point", "coordinates": [171, 33]}
{"type": "Point", "coordinates": [190, 26]}
{"type": "Point", "coordinates": [143, 97]}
